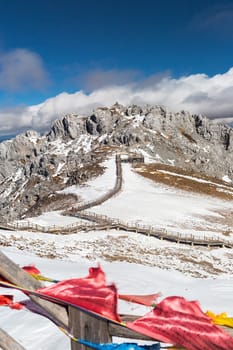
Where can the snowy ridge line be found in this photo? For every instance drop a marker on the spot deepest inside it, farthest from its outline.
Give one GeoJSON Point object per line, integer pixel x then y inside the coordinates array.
{"type": "Point", "coordinates": [105, 223]}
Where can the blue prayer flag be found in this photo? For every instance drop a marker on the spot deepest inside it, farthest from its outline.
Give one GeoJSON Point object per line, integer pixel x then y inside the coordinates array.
{"type": "Point", "coordinates": [122, 346]}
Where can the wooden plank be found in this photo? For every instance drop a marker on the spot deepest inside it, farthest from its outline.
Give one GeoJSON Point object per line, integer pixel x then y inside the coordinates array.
{"type": "Point", "coordinates": [86, 327]}
{"type": "Point", "coordinates": [227, 330]}
{"type": "Point", "coordinates": [8, 343]}
{"type": "Point", "coordinates": [124, 332]}
{"type": "Point", "coordinates": [14, 274]}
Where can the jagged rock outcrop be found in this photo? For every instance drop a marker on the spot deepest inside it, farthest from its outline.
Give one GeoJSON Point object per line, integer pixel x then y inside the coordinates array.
{"type": "Point", "coordinates": [32, 166]}
{"type": "Point", "coordinates": [70, 126]}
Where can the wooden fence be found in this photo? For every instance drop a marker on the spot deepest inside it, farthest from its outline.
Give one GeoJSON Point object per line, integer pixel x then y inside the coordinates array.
{"type": "Point", "coordinates": [112, 192]}
{"type": "Point", "coordinates": [80, 324]}
{"type": "Point", "coordinates": [102, 222]}
{"type": "Point", "coordinates": [93, 222]}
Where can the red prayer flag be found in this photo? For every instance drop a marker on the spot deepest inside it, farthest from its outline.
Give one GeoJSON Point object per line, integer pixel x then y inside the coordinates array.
{"type": "Point", "coordinates": [181, 322]}
{"type": "Point", "coordinates": [90, 293]}
{"type": "Point", "coordinates": [7, 300]}
{"type": "Point", "coordinates": [147, 300]}
{"type": "Point", "coordinates": [31, 269]}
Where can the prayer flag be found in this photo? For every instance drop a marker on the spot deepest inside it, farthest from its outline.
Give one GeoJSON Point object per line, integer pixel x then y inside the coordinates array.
{"type": "Point", "coordinates": [178, 321]}
{"type": "Point", "coordinates": [7, 300]}
{"type": "Point", "coordinates": [147, 300]}
{"type": "Point", "coordinates": [222, 319]}
{"type": "Point", "coordinates": [121, 346]}
{"type": "Point", "coordinates": [31, 269]}
{"type": "Point", "coordinates": [90, 293]}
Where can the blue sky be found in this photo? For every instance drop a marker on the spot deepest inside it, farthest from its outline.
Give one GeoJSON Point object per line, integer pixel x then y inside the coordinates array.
{"type": "Point", "coordinates": [64, 46]}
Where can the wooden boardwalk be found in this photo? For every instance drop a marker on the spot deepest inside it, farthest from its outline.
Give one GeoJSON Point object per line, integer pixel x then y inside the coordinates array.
{"type": "Point", "coordinates": [79, 322]}
{"type": "Point", "coordinates": [90, 221]}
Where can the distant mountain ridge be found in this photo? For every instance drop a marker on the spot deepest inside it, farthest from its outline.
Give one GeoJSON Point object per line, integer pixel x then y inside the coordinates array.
{"type": "Point", "coordinates": [6, 137]}
{"type": "Point", "coordinates": [33, 167]}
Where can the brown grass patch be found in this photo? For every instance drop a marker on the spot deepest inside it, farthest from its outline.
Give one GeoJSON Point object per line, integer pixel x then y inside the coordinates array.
{"type": "Point", "coordinates": [54, 201]}
{"type": "Point", "coordinates": [155, 172]}
{"type": "Point", "coordinates": [205, 265]}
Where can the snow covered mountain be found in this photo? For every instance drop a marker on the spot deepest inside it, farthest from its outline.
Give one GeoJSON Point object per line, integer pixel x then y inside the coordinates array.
{"type": "Point", "coordinates": [34, 168]}
{"type": "Point", "coordinates": [182, 189]}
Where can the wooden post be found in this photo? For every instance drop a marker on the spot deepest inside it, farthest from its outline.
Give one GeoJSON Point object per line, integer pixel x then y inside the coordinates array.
{"type": "Point", "coordinates": [14, 274]}
{"type": "Point", "coordinates": [8, 343]}
{"type": "Point", "coordinates": [86, 327]}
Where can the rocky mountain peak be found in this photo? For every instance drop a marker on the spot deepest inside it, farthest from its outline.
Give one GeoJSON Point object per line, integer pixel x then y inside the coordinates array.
{"type": "Point", "coordinates": [34, 166]}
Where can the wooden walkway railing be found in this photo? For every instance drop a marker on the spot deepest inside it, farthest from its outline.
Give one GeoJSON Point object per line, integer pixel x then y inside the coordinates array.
{"type": "Point", "coordinates": [80, 324]}
{"type": "Point", "coordinates": [104, 223]}
{"type": "Point", "coordinates": [93, 222]}
{"type": "Point", "coordinates": [107, 223]}
{"type": "Point", "coordinates": [112, 192]}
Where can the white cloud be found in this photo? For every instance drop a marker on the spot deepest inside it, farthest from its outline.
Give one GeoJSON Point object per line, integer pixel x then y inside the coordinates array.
{"type": "Point", "coordinates": [21, 69]}
{"type": "Point", "coordinates": [197, 93]}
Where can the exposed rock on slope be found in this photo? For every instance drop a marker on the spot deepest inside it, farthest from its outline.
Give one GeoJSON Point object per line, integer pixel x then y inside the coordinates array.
{"type": "Point", "coordinates": [33, 167]}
